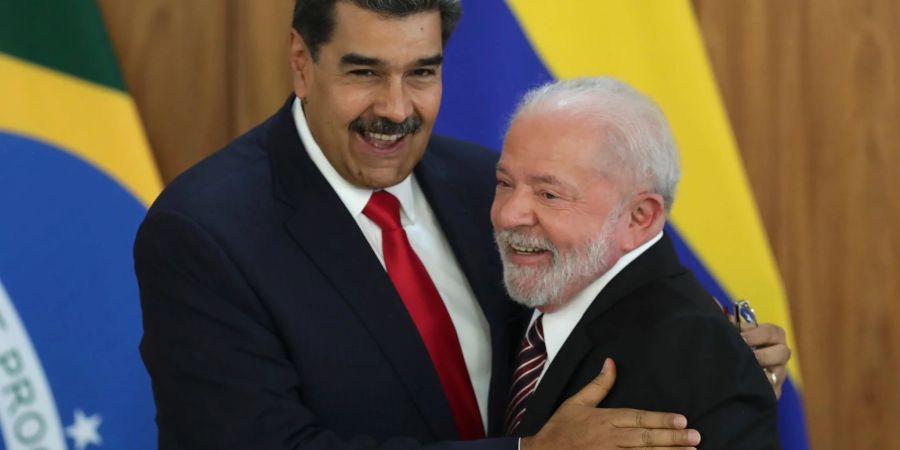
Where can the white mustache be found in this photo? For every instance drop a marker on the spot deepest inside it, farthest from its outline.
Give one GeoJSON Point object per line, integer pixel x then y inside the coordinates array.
{"type": "Point", "coordinates": [509, 238]}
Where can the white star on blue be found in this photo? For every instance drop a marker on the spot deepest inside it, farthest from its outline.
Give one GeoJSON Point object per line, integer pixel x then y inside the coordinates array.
{"type": "Point", "coordinates": [85, 430]}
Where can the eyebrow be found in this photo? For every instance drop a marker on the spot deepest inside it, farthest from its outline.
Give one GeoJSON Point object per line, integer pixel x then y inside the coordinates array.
{"type": "Point", "coordinates": [542, 179]}
{"type": "Point", "coordinates": [434, 60]}
{"type": "Point", "coordinates": [355, 59]}
{"type": "Point", "coordinates": [546, 179]}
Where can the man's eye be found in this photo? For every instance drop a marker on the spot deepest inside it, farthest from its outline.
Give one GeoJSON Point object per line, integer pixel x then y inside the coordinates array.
{"type": "Point", "coordinates": [548, 195]}
{"type": "Point", "coordinates": [502, 184]}
{"type": "Point", "coordinates": [424, 72]}
{"type": "Point", "coordinates": [363, 73]}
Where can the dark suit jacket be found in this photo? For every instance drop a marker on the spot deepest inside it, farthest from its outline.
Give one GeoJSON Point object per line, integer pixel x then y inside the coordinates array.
{"type": "Point", "coordinates": [269, 322]}
{"type": "Point", "coordinates": [674, 351]}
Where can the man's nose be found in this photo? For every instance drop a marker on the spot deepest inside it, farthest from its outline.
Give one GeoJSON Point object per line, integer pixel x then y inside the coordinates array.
{"type": "Point", "coordinates": [512, 209]}
{"type": "Point", "coordinates": [394, 103]}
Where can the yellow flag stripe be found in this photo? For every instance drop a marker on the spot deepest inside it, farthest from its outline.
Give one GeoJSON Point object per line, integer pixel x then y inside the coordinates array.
{"type": "Point", "coordinates": [96, 123]}
{"type": "Point", "coordinates": [656, 46]}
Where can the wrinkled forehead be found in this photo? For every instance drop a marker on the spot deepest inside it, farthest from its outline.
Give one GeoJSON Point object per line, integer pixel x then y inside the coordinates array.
{"type": "Point", "coordinates": [386, 37]}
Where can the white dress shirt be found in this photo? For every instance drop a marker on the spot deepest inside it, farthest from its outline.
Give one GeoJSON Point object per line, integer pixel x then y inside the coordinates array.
{"type": "Point", "coordinates": [558, 325]}
{"type": "Point", "coordinates": [431, 246]}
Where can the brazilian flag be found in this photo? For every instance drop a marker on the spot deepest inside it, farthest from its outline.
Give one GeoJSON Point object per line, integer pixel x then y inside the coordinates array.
{"type": "Point", "coordinates": [76, 176]}
{"type": "Point", "coordinates": [503, 48]}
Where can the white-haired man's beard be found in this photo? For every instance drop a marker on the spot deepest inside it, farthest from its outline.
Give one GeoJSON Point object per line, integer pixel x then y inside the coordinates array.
{"type": "Point", "coordinates": [535, 286]}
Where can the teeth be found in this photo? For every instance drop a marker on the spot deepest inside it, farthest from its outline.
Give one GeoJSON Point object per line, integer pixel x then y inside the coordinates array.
{"type": "Point", "coordinates": [526, 249]}
{"type": "Point", "coordinates": [383, 137]}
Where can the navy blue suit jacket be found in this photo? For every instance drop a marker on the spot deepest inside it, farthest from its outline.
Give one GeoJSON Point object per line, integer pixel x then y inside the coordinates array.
{"type": "Point", "coordinates": [269, 323]}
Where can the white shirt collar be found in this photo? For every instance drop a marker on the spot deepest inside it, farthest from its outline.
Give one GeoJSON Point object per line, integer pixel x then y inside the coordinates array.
{"type": "Point", "coordinates": [354, 197]}
{"type": "Point", "coordinates": [560, 323]}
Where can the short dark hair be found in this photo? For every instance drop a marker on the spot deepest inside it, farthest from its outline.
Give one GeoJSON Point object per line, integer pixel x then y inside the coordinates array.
{"type": "Point", "coordinates": [314, 19]}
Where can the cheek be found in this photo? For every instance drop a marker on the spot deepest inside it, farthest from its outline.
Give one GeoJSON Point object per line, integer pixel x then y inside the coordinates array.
{"type": "Point", "coordinates": [427, 103]}
{"type": "Point", "coordinates": [348, 103]}
{"type": "Point", "coordinates": [568, 231]}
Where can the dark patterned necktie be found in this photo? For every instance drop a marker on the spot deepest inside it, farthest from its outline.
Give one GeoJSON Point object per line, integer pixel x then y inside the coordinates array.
{"type": "Point", "coordinates": [424, 304]}
{"type": "Point", "coordinates": [529, 364]}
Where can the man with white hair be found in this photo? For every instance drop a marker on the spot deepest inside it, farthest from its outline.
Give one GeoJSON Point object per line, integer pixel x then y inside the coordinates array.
{"type": "Point", "coordinates": [584, 185]}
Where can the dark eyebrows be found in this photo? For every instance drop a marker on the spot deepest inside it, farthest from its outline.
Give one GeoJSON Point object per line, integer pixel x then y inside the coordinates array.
{"type": "Point", "coordinates": [434, 60]}
{"type": "Point", "coordinates": [355, 59]}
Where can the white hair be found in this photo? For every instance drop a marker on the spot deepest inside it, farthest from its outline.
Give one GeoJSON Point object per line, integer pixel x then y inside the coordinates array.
{"type": "Point", "coordinates": [635, 127]}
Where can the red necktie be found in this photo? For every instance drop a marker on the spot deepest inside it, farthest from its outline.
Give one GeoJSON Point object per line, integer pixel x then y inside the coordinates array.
{"type": "Point", "coordinates": [529, 364]}
{"type": "Point", "coordinates": [428, 313]}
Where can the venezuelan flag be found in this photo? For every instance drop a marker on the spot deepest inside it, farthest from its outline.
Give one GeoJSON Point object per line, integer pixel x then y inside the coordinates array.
{"type": "Point", "coordinates": [504, 48]}
{"type": "Point", "coordinates": [76, 176]}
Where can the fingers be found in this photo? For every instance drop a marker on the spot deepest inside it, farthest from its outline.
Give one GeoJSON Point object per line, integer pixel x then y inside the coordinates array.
{"type": "Point", "coordinates": [773, 356]}
{"type": "Point", "coordinates": [577, 423]}
{"type": "Point", "coordinates": [780, 375]}
{"type": "Point", "coordinates": [769, 343]}
{"type": "Point", "coordinates": [644, 438]}
{"type": "Point", "coordinates": [764, 335]}
{"type": "Point", "coordinates": [635, 418]}
{"type": "Point", "coordinates": [596, 390]}
{"type": "Point", "coordinates": [771, 351]}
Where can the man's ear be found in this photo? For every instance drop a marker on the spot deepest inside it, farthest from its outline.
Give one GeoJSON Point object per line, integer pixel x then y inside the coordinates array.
{"type": "Point", "coordinates": [647, 217]}
{"type": "Point", "coordinates": [301, 61]}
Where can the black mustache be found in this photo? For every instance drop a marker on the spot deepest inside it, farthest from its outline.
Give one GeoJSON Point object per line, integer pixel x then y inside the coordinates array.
{"type": "Point", "coordinates": [386, 126]}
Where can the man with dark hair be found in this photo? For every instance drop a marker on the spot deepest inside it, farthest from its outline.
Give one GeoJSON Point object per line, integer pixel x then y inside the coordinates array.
{"type": "Point", "coordinates": [326, 282]}
{"type": "Point", "coordinates": [314, 19]}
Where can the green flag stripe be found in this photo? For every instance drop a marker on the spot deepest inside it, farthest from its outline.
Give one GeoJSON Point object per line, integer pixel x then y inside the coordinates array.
{"type": "Point", "coordinates": [65, 35]}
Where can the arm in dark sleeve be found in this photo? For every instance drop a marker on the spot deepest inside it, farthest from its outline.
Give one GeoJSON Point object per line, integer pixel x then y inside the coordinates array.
{"type": "Point", "coordinates": [725, 394]}
{"type": "Point", "coordinates": [221, 376]}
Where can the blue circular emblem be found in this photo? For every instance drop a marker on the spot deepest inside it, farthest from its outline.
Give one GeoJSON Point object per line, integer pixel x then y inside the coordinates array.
{"type": "Point", "coordinates": [70, 322]}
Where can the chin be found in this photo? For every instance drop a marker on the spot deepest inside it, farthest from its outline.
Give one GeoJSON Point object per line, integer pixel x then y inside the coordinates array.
{"type": "Point", "coordinates": [533, 302]}
{"type": "Point", "coordinates": [384, 183]}
{"type": "Point", "coordinates": [530, 286]}
{"type": "Point", "coordinates": [376, 177]}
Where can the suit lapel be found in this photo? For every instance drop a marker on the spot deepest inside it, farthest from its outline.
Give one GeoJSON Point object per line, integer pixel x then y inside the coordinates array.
{"type": "Point", "coordinates": [326, 232]}
{"type": "Point", "coordinates": [455, 213]}
{"type": "Point", "coordinates": [658, 261]}
{"type": "Point", "coordinates": [470, 238]}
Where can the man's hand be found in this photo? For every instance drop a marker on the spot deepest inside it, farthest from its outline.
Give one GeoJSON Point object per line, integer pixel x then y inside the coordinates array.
{"type": "Point", "coordinates": [769, 344]}
{"type": "Point", "coordinates": [579, 424]}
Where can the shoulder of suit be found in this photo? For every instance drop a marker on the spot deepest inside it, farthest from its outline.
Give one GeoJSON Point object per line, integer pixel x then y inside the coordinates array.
{"type": "Point", "coordinates": [677, 300]}
{"type": "Point", "coordinates": [221, 179]}
{"type": "Point", "coordinates": [686, 308]}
